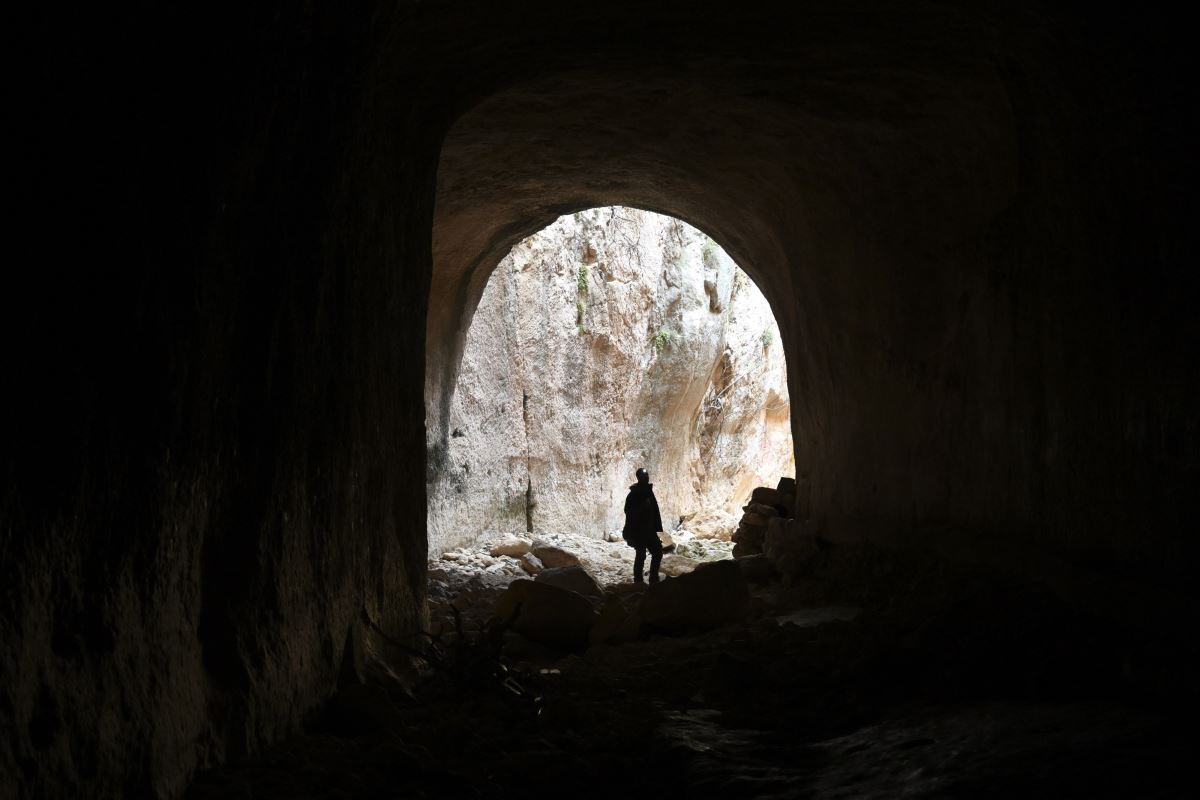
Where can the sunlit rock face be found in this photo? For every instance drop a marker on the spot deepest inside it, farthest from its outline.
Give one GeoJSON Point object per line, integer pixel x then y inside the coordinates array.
{"type": "Point", "coordinates": [613, 339]}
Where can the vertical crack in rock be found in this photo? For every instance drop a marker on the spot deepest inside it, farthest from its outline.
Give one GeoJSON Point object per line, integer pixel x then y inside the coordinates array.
{"type": "Point", "coordinates": [528, 468]}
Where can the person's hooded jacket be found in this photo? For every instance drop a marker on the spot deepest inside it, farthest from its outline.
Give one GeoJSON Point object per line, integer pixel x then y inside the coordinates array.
{"type": "Point", "coordinates": [642, 518]}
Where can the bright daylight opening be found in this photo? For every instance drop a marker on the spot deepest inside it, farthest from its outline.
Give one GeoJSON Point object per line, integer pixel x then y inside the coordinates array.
{"type": "Point", "coordinates": [612, 340]}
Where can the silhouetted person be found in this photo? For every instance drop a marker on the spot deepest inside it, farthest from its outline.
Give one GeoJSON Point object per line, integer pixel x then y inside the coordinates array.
{"type": "Point", "coordinates": [642, 524]}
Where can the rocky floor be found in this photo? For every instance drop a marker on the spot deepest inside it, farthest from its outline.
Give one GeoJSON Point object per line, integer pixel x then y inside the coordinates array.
{"type": "Point", "coordinates": [609, 560]}
{"type": "Point", "coordinates": [817, 692]}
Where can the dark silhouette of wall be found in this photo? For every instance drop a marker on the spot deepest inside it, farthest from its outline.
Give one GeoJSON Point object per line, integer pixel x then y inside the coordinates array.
{"type": "Point", "coordinates": [972, 223]}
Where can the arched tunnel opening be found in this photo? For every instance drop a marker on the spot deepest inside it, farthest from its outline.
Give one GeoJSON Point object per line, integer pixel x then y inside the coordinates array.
{"type": "Point", "coordinates": [248, 251]}
{"type": "Point", "coordinates": [613, 340]}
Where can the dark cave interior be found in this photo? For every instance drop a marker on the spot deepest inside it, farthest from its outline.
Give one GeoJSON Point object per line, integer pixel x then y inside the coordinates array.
{"type": "Point", "coordinates": [252, 241]}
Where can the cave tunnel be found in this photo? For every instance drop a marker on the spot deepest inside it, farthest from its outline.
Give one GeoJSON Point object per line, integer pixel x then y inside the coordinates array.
{"type": "Point", "coordinates": [249, 245]}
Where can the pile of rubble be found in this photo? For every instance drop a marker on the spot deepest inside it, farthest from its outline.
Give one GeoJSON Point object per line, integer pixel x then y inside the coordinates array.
{"type": "Point", "coordinates": [540, 597]}
{"type": "Point", "coordinates": [565, 610]}
{"type": "Point", "coordinates": [496, 559]}
{"type": "Point", "coordinates": [563, 584]}
{"type": "Point", "coordinates": [766, 504]}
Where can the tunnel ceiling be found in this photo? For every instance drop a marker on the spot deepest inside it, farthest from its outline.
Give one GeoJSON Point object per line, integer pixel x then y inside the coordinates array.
{"type": "Point", "coordinates": [828, 136]}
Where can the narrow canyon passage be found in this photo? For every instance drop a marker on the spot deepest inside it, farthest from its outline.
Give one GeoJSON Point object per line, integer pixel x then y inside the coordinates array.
{"type": "Point", "coordinates": [614, 339]}
{"type": "Point", "coordinates": [251, 246]}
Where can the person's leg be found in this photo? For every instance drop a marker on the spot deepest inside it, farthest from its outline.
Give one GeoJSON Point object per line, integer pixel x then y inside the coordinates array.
{"type": "Point", "coordinates": [656, 554]}
{"type": "Point", "coordinates": [639, 560]}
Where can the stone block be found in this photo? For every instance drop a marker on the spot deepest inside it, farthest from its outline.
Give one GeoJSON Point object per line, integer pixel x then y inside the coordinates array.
{"type": "Point", "coordinates": [573, 578]}
{"type": "Point", "coordinates": [545, 613]}
{"type": "Point", "coordinates": [765, 495]}
{"type": "Point", "coordinates": [610, 624]}
{"type": "Point", "coordinates": [511, 547]}
{"type": "Point", "coordinates": [749, 538]}
{"type": "Point", "coordinates": [674, 565]}
{"type": "Point", "coordinates": [552, 556]}
{"type": "Point", "coordinates": [714, 594]}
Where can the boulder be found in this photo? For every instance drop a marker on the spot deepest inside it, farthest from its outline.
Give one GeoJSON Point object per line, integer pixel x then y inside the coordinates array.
{"type": "Point", "coordinates": [630, 629]}
{"type": "Point", "coordinates": [614, 625]}
{"type": "Point", "coordinates": [761, 510]}
{"type": "Point", "coordinates": [704, 549]}
{"type": "Point", "coordinates": [757, 520]}
{"type": "Point", "coordinates": [552, 556]}
{"type": "Point", "coordinates": [668, 543]}
{"type": "Point", "coordinates": [748, 539]}
{"type": "Point", "coordinates": [712, 595]}
{"type": "Point", "coordinates": [531, 564]}
{"type": "Point", "coordinates": [511, 547]}
{"type": "Point", "coordinates": [749, 533]}
{"type": "Point", "coordinates": [786, 487]}
{"type": "Point", "coordinates": [573, 578]}
{"type": "Point", "coordinates": [791, 546]}
{"type": "Point", "coordinates": [675, 565]}
{"type": "Point", "coordinates": [545, 613]}
{"type": "Point", "coordinates": [766, 496]}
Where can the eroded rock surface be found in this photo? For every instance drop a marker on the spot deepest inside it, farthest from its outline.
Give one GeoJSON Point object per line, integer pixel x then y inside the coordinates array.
{"type": "Point", "coordinates": [613, 339]}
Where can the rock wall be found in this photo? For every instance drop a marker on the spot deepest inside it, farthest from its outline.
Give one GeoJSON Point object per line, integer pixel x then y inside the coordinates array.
{"type": "Point", "coordinates": [614, 338]}
{"type": "Point", "coordinates": [212, 465]}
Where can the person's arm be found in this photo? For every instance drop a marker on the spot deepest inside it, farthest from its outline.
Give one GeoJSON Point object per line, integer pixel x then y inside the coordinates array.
{"type": "Point", "coordinates": [658, 526]}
